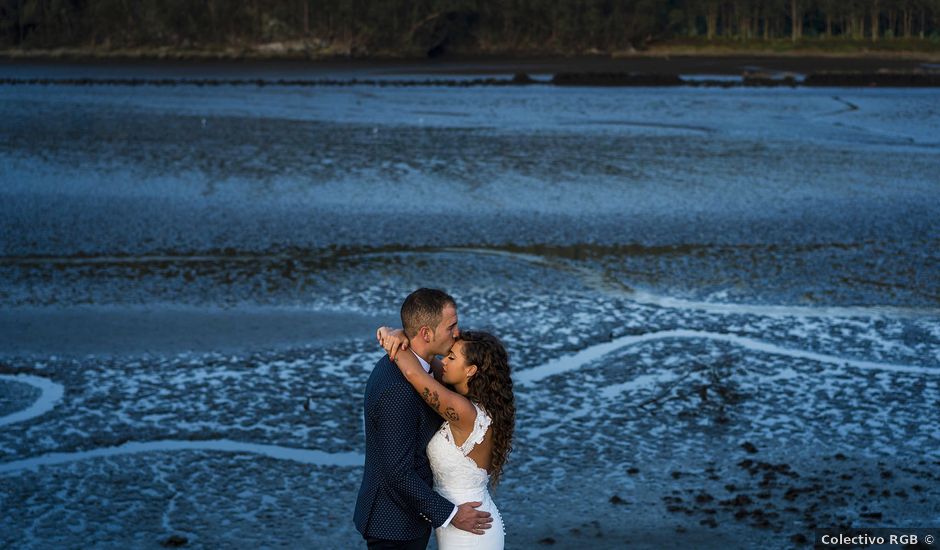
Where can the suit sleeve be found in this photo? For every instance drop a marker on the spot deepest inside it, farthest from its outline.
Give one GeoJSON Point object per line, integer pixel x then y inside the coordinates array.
{"type": "Point", "coordinates": [398, 439]}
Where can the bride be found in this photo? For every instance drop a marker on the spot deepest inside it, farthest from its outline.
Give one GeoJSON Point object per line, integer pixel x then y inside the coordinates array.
{"type": "Point", "coordinates": [472, 392]}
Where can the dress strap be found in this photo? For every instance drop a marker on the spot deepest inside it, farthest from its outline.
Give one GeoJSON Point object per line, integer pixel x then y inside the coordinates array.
{"type": "Point", "coordinates": [480, 425]}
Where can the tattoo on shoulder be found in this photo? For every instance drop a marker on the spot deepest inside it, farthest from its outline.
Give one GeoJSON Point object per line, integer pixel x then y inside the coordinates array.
{"type": "Point", "coordinates": [451, 414]}
{"type": "Point", "coordinates": [432, 399]}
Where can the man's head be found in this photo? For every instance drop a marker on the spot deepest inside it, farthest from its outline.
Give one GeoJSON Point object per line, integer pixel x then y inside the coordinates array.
{"type": "Point", "coordinates": [429, 317]}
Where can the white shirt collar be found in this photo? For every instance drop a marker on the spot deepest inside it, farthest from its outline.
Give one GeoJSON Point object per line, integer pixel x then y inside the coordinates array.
{"type": "Point", "coordinates": [424, 364]}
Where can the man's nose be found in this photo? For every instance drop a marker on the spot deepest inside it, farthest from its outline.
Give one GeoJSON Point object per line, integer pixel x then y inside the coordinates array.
{"type": "Point", "coordinates": [456, 332]}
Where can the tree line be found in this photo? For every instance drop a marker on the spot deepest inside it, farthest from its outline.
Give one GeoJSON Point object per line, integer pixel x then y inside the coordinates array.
{"type": "Point", "coordinates": [429, 27]}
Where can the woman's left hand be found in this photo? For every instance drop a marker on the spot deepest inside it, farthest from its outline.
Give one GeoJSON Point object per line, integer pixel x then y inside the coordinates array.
{"type": "Point", "coordinates": [392, 340]}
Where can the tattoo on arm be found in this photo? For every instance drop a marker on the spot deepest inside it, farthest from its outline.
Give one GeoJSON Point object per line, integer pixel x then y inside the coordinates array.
{"type": "Point", "coordinates": [432, 399]}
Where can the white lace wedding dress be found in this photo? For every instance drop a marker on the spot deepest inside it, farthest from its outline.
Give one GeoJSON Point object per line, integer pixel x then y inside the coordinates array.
{"type": "Point", "coordinates": [458, 479]}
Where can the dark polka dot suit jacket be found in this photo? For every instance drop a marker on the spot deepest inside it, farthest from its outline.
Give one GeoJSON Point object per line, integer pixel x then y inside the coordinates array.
{"type": "Point", "coordinates": [396, 500]}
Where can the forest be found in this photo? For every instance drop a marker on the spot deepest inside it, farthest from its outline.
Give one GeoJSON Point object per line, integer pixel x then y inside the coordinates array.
{"type": "Point", "coordinates": [436, 27]}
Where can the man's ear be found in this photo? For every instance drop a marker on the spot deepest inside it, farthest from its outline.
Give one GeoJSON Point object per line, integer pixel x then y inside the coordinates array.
{"type": "Point", "coordinates": [425, 333]}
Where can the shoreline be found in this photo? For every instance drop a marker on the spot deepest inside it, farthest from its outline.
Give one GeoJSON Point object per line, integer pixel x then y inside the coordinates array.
{"type": "Point", "coordinates": [667, 61]}
{"type": "Point", "coordinates": [761, 78]}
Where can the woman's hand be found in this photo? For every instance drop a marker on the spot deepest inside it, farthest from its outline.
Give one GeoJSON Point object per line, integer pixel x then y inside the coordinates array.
{"type": "Point", "coordinates": [392, 340]}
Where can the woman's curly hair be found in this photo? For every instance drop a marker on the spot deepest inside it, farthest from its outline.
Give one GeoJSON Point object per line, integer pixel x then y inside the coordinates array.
{"type": "Point", "coordinates": [491, 387]}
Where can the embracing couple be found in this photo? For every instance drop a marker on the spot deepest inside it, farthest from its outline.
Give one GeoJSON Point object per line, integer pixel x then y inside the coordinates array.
{"type": "Point", "coordinates": [438, 431]}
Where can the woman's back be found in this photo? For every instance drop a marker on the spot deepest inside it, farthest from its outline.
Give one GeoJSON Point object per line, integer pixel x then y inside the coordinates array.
{"type": "Point", "coordinates": [459, 478]}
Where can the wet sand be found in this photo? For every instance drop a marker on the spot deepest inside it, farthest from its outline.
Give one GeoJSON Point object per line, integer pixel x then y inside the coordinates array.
{"type": "Point", "coordinates": [172, 328]}
{"type": "Point", "coordinates": [631, 433]}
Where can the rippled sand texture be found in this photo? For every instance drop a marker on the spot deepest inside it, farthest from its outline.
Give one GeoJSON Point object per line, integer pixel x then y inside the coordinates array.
{"type": "Point", "coordinates": [722, 306]}
{"type": "Point", "coordinates": [788, 195]}
{"type": "Point", "coordinates": [644, 418]}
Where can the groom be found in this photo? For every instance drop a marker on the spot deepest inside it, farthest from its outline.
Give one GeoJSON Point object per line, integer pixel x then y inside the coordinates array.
{"type": "Point", "coordinates": [397, 507]}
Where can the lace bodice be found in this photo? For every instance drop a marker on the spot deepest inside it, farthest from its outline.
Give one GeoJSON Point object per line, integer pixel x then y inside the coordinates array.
{"type": "Point", "coordinates": [458, 479]}
{"type": "Point", "coordinates": [456, 475]}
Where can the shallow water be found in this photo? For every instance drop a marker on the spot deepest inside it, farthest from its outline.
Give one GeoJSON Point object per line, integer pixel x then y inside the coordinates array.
{"type": "Point", "coordinates": [677, 273]}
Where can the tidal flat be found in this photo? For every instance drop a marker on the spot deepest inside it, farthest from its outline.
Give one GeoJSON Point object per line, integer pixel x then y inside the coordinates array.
{"type": "Point", "coordinates": [722, 306]}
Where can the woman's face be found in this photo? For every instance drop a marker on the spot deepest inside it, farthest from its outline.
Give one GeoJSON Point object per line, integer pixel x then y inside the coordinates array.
{"type": "Point", "coordinates": [456, 369]}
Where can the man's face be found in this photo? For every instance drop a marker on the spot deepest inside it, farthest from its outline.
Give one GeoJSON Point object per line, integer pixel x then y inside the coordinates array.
{"type": "Point", "coordinates": [446, 332]}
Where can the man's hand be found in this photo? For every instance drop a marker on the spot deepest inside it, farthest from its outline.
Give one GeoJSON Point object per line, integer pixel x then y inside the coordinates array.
{"type": "Point", "coordinates": [470, 520]}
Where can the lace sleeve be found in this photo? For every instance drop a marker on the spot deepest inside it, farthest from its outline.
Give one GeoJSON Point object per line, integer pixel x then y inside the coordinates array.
{"type": "Point", "coordinates": [480, 425]}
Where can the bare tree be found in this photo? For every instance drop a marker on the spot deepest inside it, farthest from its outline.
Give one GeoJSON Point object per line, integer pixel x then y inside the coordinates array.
{"type": "Point", "coordinates": [796, 20]}
{"type": "Point", "coordinates": [711, 19]}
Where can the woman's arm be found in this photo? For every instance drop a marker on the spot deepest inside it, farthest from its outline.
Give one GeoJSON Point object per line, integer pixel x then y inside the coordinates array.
{"type": "Point", "coordinates": [450, 405]}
